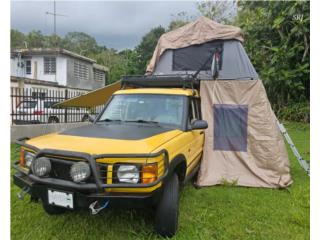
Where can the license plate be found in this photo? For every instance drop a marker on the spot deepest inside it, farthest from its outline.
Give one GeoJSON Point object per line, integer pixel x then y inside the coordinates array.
{"type": "Point", "coordinates": [62, 199]}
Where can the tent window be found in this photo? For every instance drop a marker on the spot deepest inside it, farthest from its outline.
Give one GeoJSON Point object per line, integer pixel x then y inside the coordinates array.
{"type": "Point", "coordinates": [230, 127]}
{"type": "Point", "coordinates": [191, 58]}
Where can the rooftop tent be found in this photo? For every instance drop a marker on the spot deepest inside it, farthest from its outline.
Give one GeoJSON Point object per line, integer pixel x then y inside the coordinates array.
{"type": "Point", "coordinates": [189, 59]}
{"type": "Point", "coordinates": [243, 144]}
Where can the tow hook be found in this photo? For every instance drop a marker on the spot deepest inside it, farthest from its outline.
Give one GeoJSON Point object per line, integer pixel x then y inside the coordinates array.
{"type": "Point", "coordinates": [23, 192]}
{"type": "Point", "coordinates": [95, 209]}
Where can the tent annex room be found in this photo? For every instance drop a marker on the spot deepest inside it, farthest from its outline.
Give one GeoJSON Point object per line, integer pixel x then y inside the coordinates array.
{"type": "Point", "coordinates": [243, 144]}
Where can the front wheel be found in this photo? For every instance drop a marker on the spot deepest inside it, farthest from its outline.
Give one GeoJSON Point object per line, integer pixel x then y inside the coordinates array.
{"type": "Point", "coordinates": [53, 210]}
{"type": "Point", "coordinates": [166, 217]}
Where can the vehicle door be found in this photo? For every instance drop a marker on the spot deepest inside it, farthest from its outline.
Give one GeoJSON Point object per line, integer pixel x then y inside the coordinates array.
{"type": "Point", "coordinates": [197, 136]}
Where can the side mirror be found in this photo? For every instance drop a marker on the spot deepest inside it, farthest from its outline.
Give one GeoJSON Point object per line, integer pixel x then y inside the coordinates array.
{"type": "Point", "coordinates": [199, 124]}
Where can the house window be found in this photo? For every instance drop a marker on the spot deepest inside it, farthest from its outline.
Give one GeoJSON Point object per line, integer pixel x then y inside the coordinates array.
{"type": "Point", "coordinates": [98, 75]}
{"type": "Point", "coordinates": [49, 65]}
{"type": "Point", "coordinates": [28, 66]}
{"type": "Point", "coordinates": [81, 71]}
{"type": "Point", "coordinates": [230, 127]}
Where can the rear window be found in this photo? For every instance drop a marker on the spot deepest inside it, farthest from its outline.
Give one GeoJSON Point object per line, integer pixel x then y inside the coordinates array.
{"type": "Point", "coordinates": [49, 104]}
{"type": "Point", "coordinates": [28, 104]}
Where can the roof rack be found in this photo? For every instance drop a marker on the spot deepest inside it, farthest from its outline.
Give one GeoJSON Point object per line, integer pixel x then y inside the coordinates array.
{"type": "Point", "coordinates": [163, 81]}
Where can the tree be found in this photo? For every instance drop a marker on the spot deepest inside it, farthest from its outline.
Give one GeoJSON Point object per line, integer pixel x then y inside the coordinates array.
{"type": "Point", "coordinates": [277, 41]}
{"type": "Point", "coordinates": [35, 39]}
{"type": "Point", "coordinates": [146, 47]}
{"type": "Point", "coordinates": [17, 39]}
{"type": "Point", "coordinates": [81, 43]}
{"type": "Point", "coordinates": [219, 11]}
{"type": "Point", "coordinates": [179, 20]}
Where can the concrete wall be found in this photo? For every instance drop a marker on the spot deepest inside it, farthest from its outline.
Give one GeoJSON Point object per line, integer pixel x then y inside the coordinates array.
{"type": "Point", "coordinates": [19, 131]}
{"type": "Point", "coordinates": [64, 72]}
{"type": "Point", "coordinates": [89, 84]}
{"type": "Point", "coordinates": [37, 69]}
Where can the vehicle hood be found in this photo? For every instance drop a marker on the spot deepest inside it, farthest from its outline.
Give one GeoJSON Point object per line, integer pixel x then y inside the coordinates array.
{"type": "Point", "coordinates": [107, 139]}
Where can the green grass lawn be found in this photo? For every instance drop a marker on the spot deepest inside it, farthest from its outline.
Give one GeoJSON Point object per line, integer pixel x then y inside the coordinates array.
{"type": "Point", "coordinates": [209, 213]}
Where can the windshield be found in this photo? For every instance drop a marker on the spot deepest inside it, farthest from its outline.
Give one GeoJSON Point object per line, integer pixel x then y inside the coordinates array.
{"type": "Point", "coordinates": [157, 108]}
{"type": "Point", "coordinates": [27, 104]}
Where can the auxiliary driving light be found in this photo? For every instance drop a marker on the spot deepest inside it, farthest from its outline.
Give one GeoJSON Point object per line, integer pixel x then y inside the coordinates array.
{"type": "Point", "coordinates": [80, 172]}
{"type": "Point", "coordinates": [41, 166]}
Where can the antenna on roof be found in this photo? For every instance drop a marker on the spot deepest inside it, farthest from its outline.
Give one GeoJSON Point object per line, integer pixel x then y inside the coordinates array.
{"type": "Point", "coordinates": [54, 17]}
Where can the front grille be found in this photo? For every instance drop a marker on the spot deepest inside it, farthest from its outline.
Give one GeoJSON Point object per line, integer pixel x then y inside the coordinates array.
{"type": "Point", "coordinates": [102, 168]}
{"type": "Point", "coordinates": [61, 169]}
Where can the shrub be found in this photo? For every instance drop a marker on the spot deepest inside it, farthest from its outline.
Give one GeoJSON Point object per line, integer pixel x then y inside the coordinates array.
{"type": "Point", "coordinates": [295, 112]}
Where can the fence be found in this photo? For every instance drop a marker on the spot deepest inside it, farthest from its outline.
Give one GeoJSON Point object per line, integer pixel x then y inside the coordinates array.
{"type": "Point", "coordinates": [32, 106]}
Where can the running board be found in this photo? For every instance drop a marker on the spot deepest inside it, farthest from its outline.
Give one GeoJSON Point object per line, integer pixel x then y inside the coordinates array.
{"type": "Point", "coordinates": [301, 161]}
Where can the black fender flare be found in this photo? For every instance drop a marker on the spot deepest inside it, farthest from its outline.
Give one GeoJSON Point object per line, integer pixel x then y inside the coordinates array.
{"type": "Point", "coordinates": [176, 161]}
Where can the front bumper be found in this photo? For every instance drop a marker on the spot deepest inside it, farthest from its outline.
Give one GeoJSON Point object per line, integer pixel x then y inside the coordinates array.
{"type": "Point", "coordinates": [82, 200]}
{"type": "Point", "coordinates": [86, 193]}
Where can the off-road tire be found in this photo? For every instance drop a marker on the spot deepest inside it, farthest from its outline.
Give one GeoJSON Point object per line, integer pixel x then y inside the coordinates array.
{"type": "Point", "coordinates": [53, 210]}
{"type": "Point", "coordinates": [166, 216]}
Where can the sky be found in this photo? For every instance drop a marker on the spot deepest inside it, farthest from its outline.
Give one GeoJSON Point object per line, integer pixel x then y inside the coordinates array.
{"type": "Point", "coordinates": [116, 25]}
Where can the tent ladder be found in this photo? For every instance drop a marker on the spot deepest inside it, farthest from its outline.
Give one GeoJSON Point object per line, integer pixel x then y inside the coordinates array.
{"type": "Point", "coordinates": [301, 161]}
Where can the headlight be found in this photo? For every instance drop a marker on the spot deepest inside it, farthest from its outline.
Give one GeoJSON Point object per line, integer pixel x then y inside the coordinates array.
{"type": "Point", "coordinates": [80, 172]}
{"type": "Point", "coordinates": [128, 173]}
{"type": "Point", "coordinates": [28, 158]}
{"type": "Point", "coordinates": [41, 166]}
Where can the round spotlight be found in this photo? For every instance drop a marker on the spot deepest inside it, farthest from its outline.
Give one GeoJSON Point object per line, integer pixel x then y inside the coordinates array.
{"type": "Point", "coordinates": [41, 166]}
{"type": "Point", "coordinates": [80, 172]}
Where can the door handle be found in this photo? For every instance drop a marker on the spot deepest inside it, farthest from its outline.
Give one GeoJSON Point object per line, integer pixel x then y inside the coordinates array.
{"type": "Point", "coordinates": [202, 132]}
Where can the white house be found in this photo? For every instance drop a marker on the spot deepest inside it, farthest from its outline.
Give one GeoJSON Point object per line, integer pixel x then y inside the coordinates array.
{"type": "Point", "coordinates": [57, 66]}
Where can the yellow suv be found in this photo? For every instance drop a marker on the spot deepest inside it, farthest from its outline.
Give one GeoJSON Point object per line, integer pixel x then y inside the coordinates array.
{"type": "Point", "coordinates": [142, 147]}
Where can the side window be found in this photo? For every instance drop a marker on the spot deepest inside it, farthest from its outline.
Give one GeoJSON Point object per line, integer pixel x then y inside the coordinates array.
{"type": "Point", "coordinates": [193, 111]}
{"type": "Point", "coordinates": [198, 108]}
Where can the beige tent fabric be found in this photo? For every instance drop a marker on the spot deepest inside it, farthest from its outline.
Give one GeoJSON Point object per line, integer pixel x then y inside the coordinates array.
{"type": "Point", "coordinates": [200, 31]}
{"type": "Point", "coordinates": [265, 164]}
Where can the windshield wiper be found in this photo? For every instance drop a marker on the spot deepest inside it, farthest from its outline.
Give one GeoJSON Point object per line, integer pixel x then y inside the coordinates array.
{"type": "Point", "coordinates": [110, 120]}
{"type": "Point", "coordinates": [142, 121]}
